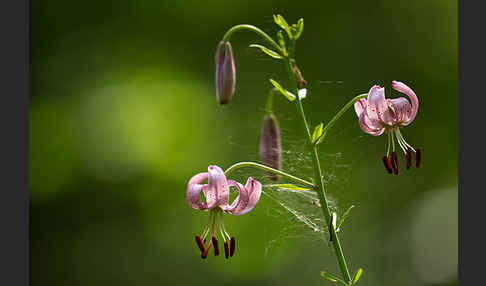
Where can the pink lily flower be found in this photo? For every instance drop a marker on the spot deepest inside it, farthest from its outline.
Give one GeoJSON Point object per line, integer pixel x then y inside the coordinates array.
{"type": "Point", "coordinates": [378, 115]}
{"type": "Point", "coordinates": [216, 193]}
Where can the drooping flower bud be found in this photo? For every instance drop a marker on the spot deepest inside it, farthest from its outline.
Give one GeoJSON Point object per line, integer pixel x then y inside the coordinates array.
{"type": "Point", "coordinates": [270, 145]}
{"type": "Point", "coordinates": [225, 73]}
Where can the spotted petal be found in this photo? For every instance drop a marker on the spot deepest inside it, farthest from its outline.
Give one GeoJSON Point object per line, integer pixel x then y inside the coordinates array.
{"type": "Point", "coordinates": [376, 105]}
{"type": "Point", "coordinates": [194, 188]}
{"type": "Point", "coordinates": [360, 106]}
{"type": "Point", "coordinates": [241, 202]}
{"type": "Point", "coordinates": [401, 108]}
{"type": "Point", "coordinates": [254, 189]}
{"type": "Point", "coordinates": [403, 88]}
{"type": "Point", "coordinates": [217, 191]}
{"type": "Point", "coordinates": [368, 126]}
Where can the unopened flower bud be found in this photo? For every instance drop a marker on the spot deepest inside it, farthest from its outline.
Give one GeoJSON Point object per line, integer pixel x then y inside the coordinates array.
{"type": "Point", "coordinates": [301, 82]}
{"type": "Point", "coordinates": [270, 145]}
{"type": "Point", "coordinates": [225, 73]}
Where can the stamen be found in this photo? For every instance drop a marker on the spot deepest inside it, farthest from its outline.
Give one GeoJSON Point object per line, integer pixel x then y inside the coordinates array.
{"type": "Point", "coordinates": [232, 246]}
{"type": "Point", "coordinates": [394, 163]}
{"type": "Point", "coordinates": [387, 163]}
{"type": "Point", "coordinates": [216, 248]}
{"type": "Point", "coordinates": [199, 243]}
{"type": "Point", "coordinates": [205, 252]}
{"type": "Point", "coordinates": [409, 158]}
{"type": "Point", "coordinates": [418, 157]}
{"type": "Point", "coordinates": [226, 249]}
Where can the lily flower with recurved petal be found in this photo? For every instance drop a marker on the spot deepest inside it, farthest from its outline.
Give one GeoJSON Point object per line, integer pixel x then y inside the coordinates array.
{"type": "Point", "coordinates": [216, 192]}
{"type": "Point", "coordinates": [378, 115]}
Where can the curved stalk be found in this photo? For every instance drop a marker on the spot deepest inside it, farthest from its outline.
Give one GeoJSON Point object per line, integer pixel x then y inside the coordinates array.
{"type": "Point", "coordinates": [317, 168]}
{"type": "Point", "coordinates": [240, 165]}
{"type": "Point", "coordinates": [252, 28]}
{"type": "Point", "coordinates": [339, 114]}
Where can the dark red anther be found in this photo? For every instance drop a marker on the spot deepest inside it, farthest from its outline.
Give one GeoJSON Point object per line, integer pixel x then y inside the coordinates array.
{"type": "Point", "coordinates": [409, 158]}
{"type": "Point", "coordinates": [226, 249]}
{"type": "Point", "coordinates": [199, 242]}
{"type": "Point", "coordinates": [387, 164]}
{"type": "Point", "coordinates": [216, 248]}
{"type": "Point", "coordinates": [205, 252]}
{"type": "Point", "coordinates": [232, 246]}
{"type": "Point", "coordinates": [418, 157]}
{"type": "Point", "coordinates": [394, 162]}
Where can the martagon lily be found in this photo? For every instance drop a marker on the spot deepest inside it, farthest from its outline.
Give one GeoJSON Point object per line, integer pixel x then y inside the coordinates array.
{"type": "Point", "coordinates": [216, 193]}
{"type": "Point", "coordinates": [378, 115]}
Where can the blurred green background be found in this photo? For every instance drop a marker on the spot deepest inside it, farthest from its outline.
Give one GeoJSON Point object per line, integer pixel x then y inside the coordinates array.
{"type": "Point", "coordinates": [123, 113]}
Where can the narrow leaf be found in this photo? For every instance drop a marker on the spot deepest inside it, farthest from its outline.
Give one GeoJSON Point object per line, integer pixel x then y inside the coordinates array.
{"type": "Point", "coordinates": [299, 28]}
{"type": "Point", "coordinates": [289, 187]}
{"type": "Point", "coordinates": [317, 132]}
{"type": "Point", "coordinates": [287, 94]}
{"type": "Point", "coordinates": [328, 276]}
{"type": "Point", "coordinates": [281, 42]}
{"type": "Point", "coordinates": [332, 278]}
{"type": "Point", "coordinates": [344, 216]}
{"type": "Point", "coordinates": [267, 51]}
{"type": "Point", "coordinates": [357, 276]}
{"type": "Point", "coordinates": [280, 21]}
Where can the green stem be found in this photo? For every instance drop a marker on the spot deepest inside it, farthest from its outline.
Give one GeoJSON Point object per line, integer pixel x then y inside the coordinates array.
{"type": "Point", "coordinates": [268, 169]}
{"type": "Point", "coordinates": [252, 28]}
{"type": "Point", "coordinates": [339, 114]}
{"type": "Point", "coordinates": [317, 168]}
{"type": "Point", "coordinates": [269, 105]}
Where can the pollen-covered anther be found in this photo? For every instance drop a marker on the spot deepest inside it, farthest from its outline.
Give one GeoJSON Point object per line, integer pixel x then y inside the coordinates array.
{"type": "Point", "coordinates": [226, 249]}
{"type": "Point", "coordinates": [418, 157]}
{"type": "Point", "coordinates": [215, 243]}
{"type": "Point", "coordinates": [232, 246]}
{"type": "Point", "coordinates": [199, 243]}
{"type": "Point", "coordinates": [387, 164]}
{"type": "Point", "coordinates": [394, 163]}
{"type": "Point", "coordinates": [409, 158]}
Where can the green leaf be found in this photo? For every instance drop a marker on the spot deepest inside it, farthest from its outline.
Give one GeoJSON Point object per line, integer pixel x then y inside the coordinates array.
{"type": "Point", "coordinates": [332, 278]}
{"type": "Point", "coordinates": [287, 94]}
{"type": "Point", "coordinates": [299, 28]}
{"type": "Point", "coordinates": [357, 276]}
{"type": "Point", "coordinates": [267, 51]}
{"type": "Point", "coordinates": [281, 42]}
{"type": "Point", "coordinates": [317, 132]}
{"type": "Point", "coordinates": [280, 21]}
{"type": "Point", "coordinates": [344, 216]}
{"type": "Point", "coordinates": [290, 187]}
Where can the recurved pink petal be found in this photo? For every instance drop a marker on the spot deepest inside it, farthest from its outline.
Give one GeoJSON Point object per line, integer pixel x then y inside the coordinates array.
{"type": "Point", "coordinates": [401, 108]}
{"type": "Point", "coordinates": [376, 105]}
{"type": "Point", "coordinates": [254, 189]}
{"type": "Point", "coordinates": [403, 88]}
{"type": "Point", "coordinates": [194, 188]}
{"type": "Point", "coordinates": [241, 201]}
{"type": "Point", "coordinates": [360, 106]}
{"type": "Point", "coordinates": [367, 125]}
{"type": "Point", "coordinates": [217, 192]}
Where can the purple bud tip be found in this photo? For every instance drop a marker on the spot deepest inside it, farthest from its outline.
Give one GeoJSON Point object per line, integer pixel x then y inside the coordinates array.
{"type": "Point", "coordinates": [232, 246]}
{"type": "Point", "coordinates": [216, 248]}
{"type": "Point", "coordinates": [225, 73]}
{"type": "Point", "coordinates": [418, 157]}
{"type": "Point", "coordinates": [271, 145]}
